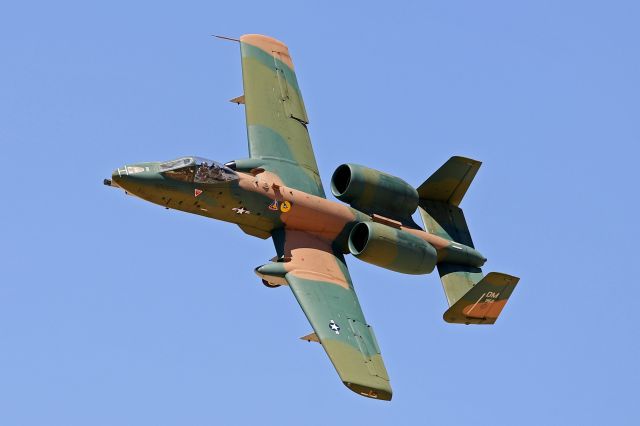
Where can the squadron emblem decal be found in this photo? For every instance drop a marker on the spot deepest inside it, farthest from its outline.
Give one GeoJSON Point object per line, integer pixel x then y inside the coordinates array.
{"type": "Point", "coordinates": [334, 327]}
{"type": "Point", "coordinates": [285, 206]}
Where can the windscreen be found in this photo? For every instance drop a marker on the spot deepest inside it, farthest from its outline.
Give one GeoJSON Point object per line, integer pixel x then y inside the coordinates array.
{"type": "Point", "coordinates": [196, 169]}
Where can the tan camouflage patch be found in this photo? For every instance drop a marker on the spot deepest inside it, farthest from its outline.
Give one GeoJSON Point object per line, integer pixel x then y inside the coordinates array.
{"type": "Point", "coordinates": [269, 45]}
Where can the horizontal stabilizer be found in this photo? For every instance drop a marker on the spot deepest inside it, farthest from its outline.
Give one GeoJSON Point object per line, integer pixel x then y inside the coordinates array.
{"type": "Point", "coordinates": [484, 302]}
{"type": "Point", "coordinates": [446, 221]}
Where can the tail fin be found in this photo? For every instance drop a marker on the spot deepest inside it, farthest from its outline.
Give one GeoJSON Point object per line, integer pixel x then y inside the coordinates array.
{"type": "Point", "coordinates": [440, 196]}
{"type": "Point", "coordinates": [484, 302]}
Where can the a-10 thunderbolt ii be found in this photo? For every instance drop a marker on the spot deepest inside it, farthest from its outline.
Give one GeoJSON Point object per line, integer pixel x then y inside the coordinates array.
{"type": "Point", "coordinates": [276, 193]}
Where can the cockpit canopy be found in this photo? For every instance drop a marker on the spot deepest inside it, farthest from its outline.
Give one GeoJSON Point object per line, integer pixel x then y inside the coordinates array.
{"type": "Point", "coordinates": [198, 170]}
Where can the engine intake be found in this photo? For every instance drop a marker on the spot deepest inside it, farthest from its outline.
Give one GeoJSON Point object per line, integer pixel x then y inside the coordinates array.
{"type": "Point", "coordinates": [372, 191]}
{"type": "Point", "coordinates": [391, 248]}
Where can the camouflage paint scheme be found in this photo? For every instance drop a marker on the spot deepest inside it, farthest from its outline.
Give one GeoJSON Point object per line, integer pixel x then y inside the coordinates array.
{"type": "Point", "coordinates": [276, 192]}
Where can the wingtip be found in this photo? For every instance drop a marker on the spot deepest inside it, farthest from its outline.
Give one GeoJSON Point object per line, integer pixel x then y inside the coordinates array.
{"type": "Point", "coordinates": [366, 391]}
{"type": "Point", "coordinates": [269, 45]}
{"type": "Point", "coordinates": [261, 39]}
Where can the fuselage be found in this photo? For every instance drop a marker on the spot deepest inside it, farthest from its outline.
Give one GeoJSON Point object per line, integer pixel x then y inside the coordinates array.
{"type": "Point", "coordinates": [258, 202]}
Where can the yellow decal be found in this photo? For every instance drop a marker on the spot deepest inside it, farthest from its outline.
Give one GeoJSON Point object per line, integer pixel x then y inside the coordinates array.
{"type": "Point", "coordinates": [285, 206]}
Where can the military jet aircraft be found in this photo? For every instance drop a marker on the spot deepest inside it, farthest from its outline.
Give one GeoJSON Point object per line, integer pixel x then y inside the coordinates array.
{"type": "Point", "coordinates": [276, 193]}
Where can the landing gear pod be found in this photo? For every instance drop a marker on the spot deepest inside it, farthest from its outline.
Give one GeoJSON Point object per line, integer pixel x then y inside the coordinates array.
{"type": "Point", "coordinates": [392, 249]}
{"type": "Point", "coordinates": [272, 274]}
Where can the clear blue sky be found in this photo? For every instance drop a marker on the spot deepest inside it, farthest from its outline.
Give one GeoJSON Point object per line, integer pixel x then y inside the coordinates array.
{"type": "Point", "coordinates": [118, 312]}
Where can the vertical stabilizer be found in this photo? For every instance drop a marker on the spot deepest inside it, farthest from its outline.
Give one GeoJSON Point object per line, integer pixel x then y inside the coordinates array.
{"type": "Point", "coordinates": [440, 196]}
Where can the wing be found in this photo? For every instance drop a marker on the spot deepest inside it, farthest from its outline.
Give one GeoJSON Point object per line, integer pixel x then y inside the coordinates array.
{"type": "Point", "coordinates": [320, 281]}
{"type": "Point", "coordinates": [276, 117]}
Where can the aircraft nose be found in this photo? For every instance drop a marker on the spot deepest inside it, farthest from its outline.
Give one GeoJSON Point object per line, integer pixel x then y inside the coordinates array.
{"type": "Point", "coordinates": [122, 178]}
{"type": "Point", "coordinates": [125, 176]}
{"type": "Point", "coordinates": [138, 172]}
{"type": "Point", "coordinates": [117, 174]}
{"type": "Point", "coordinates": [135, 177]}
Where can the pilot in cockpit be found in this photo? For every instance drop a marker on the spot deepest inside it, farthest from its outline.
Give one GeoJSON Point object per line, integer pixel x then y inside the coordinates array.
{"type": "Point", "coordinates": [202, 174]}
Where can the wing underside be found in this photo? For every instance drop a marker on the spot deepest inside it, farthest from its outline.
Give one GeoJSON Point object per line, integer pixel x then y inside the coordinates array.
{"type": "Point", "coordinates": [320, 282]}
{"type": "Point", "coordinates": [275, 113]}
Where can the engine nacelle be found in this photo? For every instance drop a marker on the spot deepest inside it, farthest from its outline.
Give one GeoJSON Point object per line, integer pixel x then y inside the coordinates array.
{"type": "Point", "coordinates": [392, 248]}
{"type": "Point", "coordinates": [372, 191]}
